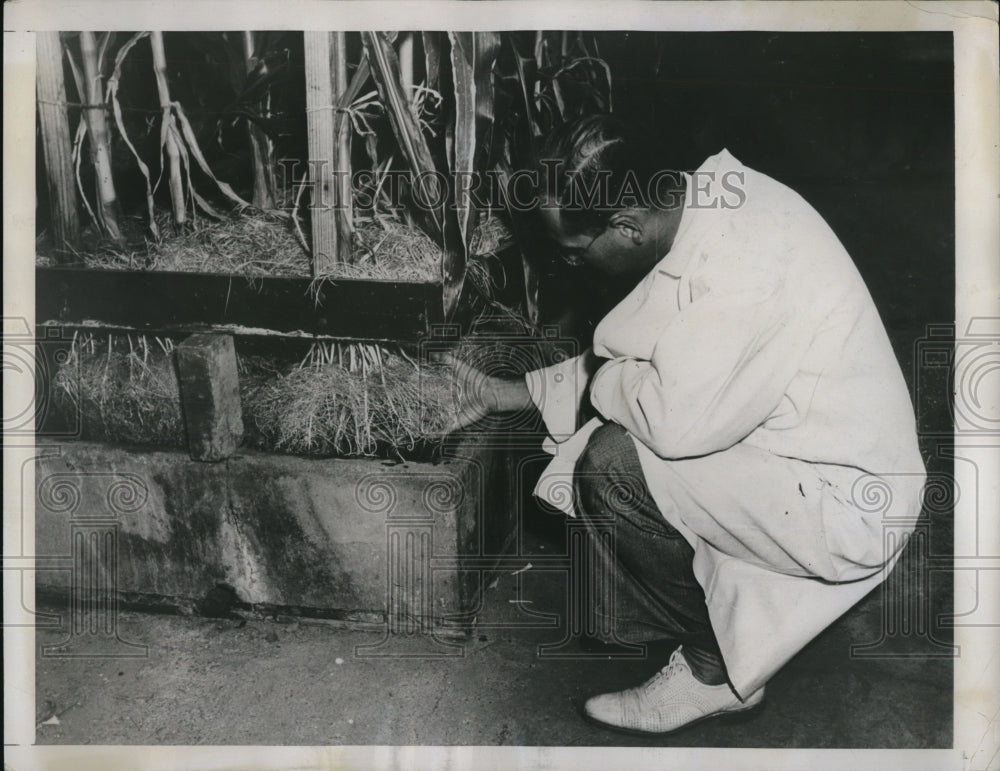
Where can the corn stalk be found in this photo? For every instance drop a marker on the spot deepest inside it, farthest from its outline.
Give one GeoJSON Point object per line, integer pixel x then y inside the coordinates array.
{"type": "Point", "coordinates": [406, 64]}
{"type": "Point", "coordinates": [432, 43]}
{"type": "Point", "coordinates": [473, 56]}
{"type": "Point", "coordinates": [427, 194]}
{"type": "Point", "coordinates": [168, 130]}
{"type": "Point", "coordinates": [447, 215]}
{"type": "Point", "coordinates": [112, 96]}
{"type": "Point", "coordinates": [342, 137]}
{"type": "Point", "coordinates": [177, 138]}
{"type": "Point", "coordinates": [260, 145]}
{"type": "Point", "coordinates": [97, 127]}
{"type": "Point", "coordinates": [563, 77]}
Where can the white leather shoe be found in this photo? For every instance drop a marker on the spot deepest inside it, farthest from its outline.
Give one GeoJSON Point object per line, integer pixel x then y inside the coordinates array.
{"type": "Point", "coordinates": [671, 699]}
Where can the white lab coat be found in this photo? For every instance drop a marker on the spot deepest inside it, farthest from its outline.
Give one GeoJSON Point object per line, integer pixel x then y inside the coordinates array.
{"type": "Point", "coordinates": [771, 419]}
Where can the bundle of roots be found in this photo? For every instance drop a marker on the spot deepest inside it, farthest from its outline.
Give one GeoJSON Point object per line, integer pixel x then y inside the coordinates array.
{"type": "Point", "coordinates": [346, 400]}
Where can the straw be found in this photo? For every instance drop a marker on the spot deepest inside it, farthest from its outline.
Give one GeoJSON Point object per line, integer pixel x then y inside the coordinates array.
{"type": "Point", "coordinates": [123, 390]}
{"type": "Point", "coordinates": [362, 401]}
{"type": "Point", "coordinates": [260, 244]}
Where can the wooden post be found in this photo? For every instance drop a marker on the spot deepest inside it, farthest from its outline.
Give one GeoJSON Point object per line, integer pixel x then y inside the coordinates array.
{"type": "Point", "coordinates": [262, 174]}
{"type": "Point", "coordinates": [97, 125]}
{"type": "Point", "coordinates": [173, 153]}
{"type": "Point", "coordinates": [322, 128]}
{"type": "Point", "coordinates": [210, 396]}
{"type": "Point", "coordinates": [56, 143]}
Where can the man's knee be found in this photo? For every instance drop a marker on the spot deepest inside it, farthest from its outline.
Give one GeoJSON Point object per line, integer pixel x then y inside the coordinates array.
{"type": "Point", "coordinates": [608, 477]}
{"type": "Point", "coordinates": [609, 452]}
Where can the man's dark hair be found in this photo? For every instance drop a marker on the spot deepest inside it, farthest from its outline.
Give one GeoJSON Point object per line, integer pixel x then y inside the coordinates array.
{"type": "Point", "coordinates": [591, 168]}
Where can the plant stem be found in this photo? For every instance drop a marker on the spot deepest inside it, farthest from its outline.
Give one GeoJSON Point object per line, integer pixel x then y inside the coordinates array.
{"type": "Point", "coordinates": [167, 132]}
{"type": "Point", "coordinates": [342, 132]}
{"type": "Point", "coordinates": [262, 176]}
{"type": "Point", "coordinates": [406, 64]}
{"type": "Point", "coordinates": [100, 153]}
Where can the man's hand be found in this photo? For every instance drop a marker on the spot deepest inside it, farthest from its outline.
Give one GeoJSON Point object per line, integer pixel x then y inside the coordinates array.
{"type": "Point", "coordinates": [479, 395]}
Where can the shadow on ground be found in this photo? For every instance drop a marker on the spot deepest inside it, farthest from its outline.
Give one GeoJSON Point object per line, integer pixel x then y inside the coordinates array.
{"type": "Point", "coordinates": [207, 681]}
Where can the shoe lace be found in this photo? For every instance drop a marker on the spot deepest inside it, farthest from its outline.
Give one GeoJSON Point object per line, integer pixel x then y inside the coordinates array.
{"type": "Point", "coordinates": [674, 664]}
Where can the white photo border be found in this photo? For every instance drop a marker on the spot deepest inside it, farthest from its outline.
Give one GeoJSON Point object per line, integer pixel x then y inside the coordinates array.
{"type": "Point", "coordinates": [977, 277]}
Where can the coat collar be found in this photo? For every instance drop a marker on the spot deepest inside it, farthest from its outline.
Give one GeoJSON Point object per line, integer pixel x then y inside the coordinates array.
{"type": "Point", "coordinates": [678, 258]}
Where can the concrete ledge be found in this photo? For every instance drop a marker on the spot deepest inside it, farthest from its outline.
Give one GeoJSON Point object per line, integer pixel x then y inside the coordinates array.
{"type": "Point", "coordinates": [343, 537]}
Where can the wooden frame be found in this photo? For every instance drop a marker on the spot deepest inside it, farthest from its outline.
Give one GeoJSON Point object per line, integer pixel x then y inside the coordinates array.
{"type": "Point", "coordinates": [183, 303]}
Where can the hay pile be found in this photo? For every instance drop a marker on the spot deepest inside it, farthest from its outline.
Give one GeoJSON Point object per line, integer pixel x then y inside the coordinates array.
{"type": "Point", "coordinates": [123, 389]}
{"type": "Point", "coordinates": [244, 245]}
{"type": "Point", "coordinates": [395, 408]}
{"type": "Point", "coordinates": [261, 244]}
{"type": "Point", "coordinates": [388, 249]}
{"type": "Point", "coordinates": [249, 244]}
{"type": "Point", "coordinates": [360, 401]}
{"type": "Point", "coordinates": [253, 243]}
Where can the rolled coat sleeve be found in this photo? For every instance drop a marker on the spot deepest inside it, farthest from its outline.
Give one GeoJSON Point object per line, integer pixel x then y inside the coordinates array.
{"type": "Point", "coordinates": [558, 391]}
{"type": "Point", "coordinates": [718, 369]}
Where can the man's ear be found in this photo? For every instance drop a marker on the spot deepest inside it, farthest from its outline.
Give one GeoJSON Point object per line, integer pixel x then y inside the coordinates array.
{"type": "Point", "coordinates": [629, 223]}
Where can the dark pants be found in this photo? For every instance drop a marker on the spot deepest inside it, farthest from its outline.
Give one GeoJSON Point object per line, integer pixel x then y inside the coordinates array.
{"type": "Point", "coordinates": [653, 594]}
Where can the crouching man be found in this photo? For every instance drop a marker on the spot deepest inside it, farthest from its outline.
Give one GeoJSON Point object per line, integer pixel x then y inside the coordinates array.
{"type": "Point", "coordinates": [754, 436]}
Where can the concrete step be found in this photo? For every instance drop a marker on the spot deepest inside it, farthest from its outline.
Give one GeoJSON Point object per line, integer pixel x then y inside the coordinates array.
{"type": "Point", "coordinates": [356, 539]}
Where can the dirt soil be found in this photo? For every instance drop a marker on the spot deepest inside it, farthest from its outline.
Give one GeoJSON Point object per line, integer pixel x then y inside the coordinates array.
{"type": "Point", "coordinates": [211, 682]}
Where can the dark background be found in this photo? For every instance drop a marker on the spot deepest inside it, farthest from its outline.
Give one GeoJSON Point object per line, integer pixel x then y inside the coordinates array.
{"type": "Point", "coordinates": [862, 125]}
